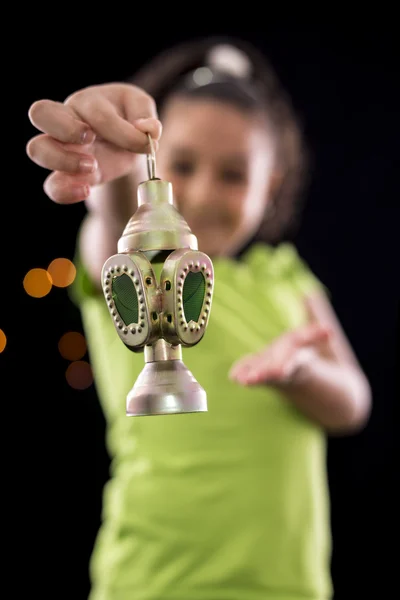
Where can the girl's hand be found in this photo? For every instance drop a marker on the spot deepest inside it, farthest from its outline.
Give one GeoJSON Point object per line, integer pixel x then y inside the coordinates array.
{"type": "Point", "coordinates": [91, 138]}
{"type": "Point", "coordinates": [284, 360]}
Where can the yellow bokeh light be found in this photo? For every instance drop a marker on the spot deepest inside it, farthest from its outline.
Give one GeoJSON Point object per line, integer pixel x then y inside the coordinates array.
{"type": "Point", "coordinates": [3, 340]}
{"type": "Point", "coordinates": [37, 283]}
{"type": "Point", "coordinates": [79, 375]}
{"type": "Point", "coordinates": [62, 272]}
{"type": "Point", "coordinates": [72, 345]}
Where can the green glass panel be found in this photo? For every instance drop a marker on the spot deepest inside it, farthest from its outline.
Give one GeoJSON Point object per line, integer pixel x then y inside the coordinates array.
{"type": "Point", "coordinates": [125, 298]}
{"type": "Point", "coordinates": [193, 295]}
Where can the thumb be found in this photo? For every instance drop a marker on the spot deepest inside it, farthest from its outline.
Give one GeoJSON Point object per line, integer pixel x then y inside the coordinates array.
{"type": "Point", "coordinates": [311, 334]}
{"type": "Point", "coordinates": [149, 125]}
{"type": "Point", "coordinates": [140, 110]}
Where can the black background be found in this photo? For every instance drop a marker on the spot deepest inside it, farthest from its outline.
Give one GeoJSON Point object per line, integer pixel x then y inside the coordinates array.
{"type": "Point", "coordinates": [344, 84]}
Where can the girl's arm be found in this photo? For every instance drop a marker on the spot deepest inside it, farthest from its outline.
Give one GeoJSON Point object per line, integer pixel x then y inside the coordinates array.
{"type": "Point", "coordinates": [317, 370]}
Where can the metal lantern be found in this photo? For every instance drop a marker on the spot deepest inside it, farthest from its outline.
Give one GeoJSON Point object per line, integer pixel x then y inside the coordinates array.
{"type": "Point", "coordinates": [158, 290]}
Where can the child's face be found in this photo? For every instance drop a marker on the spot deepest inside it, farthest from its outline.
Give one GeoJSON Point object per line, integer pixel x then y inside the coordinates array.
{"type": "Point", "coordinates": [220, 163]}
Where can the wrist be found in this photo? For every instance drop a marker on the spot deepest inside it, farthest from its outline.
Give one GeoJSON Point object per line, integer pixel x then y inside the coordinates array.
{"type": "Point", "coordinates": [303, 375]}
{"type": "Point", "coordinates": [304, 369]}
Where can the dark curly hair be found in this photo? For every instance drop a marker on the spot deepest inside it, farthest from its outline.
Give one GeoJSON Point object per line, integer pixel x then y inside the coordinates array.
{"type": "Point", "coordinates": [170, 72]}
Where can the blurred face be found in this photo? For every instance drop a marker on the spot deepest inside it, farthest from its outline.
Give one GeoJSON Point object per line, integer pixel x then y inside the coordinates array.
{"type": "Point", "coordinates": [220, 162]}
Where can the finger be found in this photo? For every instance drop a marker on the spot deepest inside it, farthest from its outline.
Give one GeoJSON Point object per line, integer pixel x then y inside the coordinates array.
{"type": "Point", "coordinates": [60, 122]}
{"type": "Point", "coordinates": [50, 154]}
{"type": "Point", "coordinates": [284, 366]}
{"type": "Point", "coordinates": [141, 110]}
{"type": "Point", "coordinates": [250, 369]}
{"type": "Point", "coordinates": [151, 126]}
{"type": "Point", "coordinates": [241, 366]}
{"type": "Point", "coordinates": [64, 188]}
{"type": "Point", "coordinates": [260, 373]}
{"type": "Point", "coordinates": [273, 363]}
{"type": "Point", "coordinates": [264, 372]}
{"type": "Point", "coordinates": [310, 335]}
{"type": "Point", "coordinates": [105, 121]}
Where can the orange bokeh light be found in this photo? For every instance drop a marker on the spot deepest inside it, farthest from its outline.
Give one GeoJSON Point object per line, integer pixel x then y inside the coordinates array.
{"type": "Point", "coordinates": [3, 340]}
{"type": "Point", "coordinates": [37, 283]}
{"type": "Point", "coordinates": [62, 272]}
{"type": "Point", "coordinates": [72, 345]}
{"type": "Point", "coordinates": [79, 375]}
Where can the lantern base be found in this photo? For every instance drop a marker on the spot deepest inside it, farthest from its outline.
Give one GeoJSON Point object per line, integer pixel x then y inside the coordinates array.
{"type": "Point", "coordinates": [165, 387]}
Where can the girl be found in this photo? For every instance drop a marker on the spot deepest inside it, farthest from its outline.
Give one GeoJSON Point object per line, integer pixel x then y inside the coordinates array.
{"type": "Point", "coordinates": [231, 504]}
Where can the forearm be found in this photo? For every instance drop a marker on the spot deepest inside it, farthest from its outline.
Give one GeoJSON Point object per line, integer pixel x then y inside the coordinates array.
{"type": "Point", "coordinates": [335, 395]}
{"type": "Point", "coordinates": [96, 242]}
{"type": "Point", "coordinates": [115, 201]}
{"type": "Point", "coordinates": [109, 208]}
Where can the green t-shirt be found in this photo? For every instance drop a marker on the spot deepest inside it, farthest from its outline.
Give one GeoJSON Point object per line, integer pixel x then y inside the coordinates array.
{"type": "Point", "coordinates": [231, 504]}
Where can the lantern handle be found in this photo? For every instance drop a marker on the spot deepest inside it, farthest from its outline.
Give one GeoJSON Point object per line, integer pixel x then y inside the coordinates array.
{"type": "Point", "coordinates": [151, 160]}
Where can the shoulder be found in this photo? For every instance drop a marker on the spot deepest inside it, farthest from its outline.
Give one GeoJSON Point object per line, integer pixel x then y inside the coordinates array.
{"type": "Point", "coordinates": [285, 263]}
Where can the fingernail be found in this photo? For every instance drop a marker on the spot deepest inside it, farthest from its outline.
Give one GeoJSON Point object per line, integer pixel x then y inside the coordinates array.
{"type": "Point", "coordinates": [88, 136]}
{"type": "Point", "coordinates": [145, 123]}
{"type": "Point", "coordinates": [143, 120]}
{"type": "Point", "coordinates": [82, 191]}
{"type": "Point", "coordinates": [88, 165]}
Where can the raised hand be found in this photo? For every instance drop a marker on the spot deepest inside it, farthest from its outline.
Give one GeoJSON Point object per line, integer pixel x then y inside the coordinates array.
{"type": "Point", "coordinates": [284, 359]}
{"type": "Point", "coordinates": [91, 138]}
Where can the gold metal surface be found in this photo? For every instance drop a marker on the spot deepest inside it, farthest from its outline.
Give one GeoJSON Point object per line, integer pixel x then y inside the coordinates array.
{"type": "Point", "coordinates": [156, 251]}
{"type": "Point", "coordinates": [151, 159]}
{"type": "Point", "coordinates": [156, 224]}
{"type": "Point", "coordinates": [162, 350]}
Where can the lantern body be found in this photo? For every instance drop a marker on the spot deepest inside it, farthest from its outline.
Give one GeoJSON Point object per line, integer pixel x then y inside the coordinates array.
{"type": "Point", "coordinates": [158, 289]}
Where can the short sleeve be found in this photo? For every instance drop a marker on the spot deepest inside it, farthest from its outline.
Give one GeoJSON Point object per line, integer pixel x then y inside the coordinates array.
{"type": "Point", "coordinates": [292, 266]}
{"type": "Point", "coordinates": [110, 360]}
{"type": "Point", "coordinates": [83, 286]}
{"type": "Point", "coordinates": [284, 264]}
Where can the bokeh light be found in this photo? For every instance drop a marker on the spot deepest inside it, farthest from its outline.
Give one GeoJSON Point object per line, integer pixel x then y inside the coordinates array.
{"type": "Point", "coordinates": [3, 340]}
{"type": "Point", "coordinates": [79, 375]}
{"type": "Point", "coordinates": [72, 345]}
{"type": "Point", "coordinates": [62, 272]}
{"type": "Point", "coordinates": [37, 283]}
